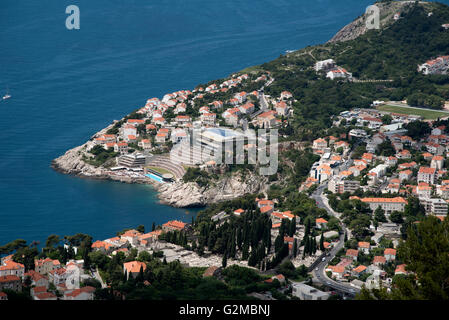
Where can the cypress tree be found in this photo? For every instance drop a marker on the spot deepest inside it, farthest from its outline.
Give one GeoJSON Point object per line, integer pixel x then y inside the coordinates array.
{"type": "Point", "coordinates": [224, 261]}
{"type": "Point", "coordinates": [308, 226]}
{"type": "Point", "coordinates": [306, 246]}
{"type": "Point", "coordinates": [239, 238]}
{"type": "Point", "coordinates": [153, 226]}
{"type": "Point", "coordinates": [278, 243]}
{"type": "Point", "coordinates": [233, 250]}
{"type": "Point", "coordinates": [292, 227]}
{"type": "Point", "coordinates": [295, 248]}
{"type": "Point", "coordinates": [252, 259]}
{"type": "Point", "coordinates": [282, 228]}
{"type": "Point", "coordinates": [269, 243]}
{"type": "Point", "coordinates": [140, 275]}
{"type": "Point", "coordinates": [322, 242]}
{"type": "Point", "coordinates": [245, 252]}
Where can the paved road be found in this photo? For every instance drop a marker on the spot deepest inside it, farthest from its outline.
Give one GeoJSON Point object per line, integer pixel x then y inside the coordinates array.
{"type": "Point", "coordinates": [97, 276]}
{"type": "Point", "coordinates": [319, 271]}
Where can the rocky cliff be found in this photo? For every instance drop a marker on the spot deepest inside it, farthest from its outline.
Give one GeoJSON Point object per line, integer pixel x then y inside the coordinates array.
{"type": "Point", "coordinates": [358, 27]}
{"type": "Point", "coordinates": [189, 194]}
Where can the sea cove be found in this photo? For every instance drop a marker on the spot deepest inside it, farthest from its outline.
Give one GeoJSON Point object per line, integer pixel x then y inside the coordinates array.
{"type": "Point", "coordinates": [66, 85]}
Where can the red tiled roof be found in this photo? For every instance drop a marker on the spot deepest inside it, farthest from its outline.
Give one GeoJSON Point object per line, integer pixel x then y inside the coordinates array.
{"type": "Point", "coordinates": [9, 278]}
{"type": "Point", "coordinates": [352, 253]}
{"type": "Point", "coordinates": [175, 224]}
{"type": "Point", "coordinates": [134, 266]}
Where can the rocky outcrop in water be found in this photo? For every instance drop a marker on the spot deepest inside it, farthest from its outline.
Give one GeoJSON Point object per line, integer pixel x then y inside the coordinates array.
{"type": "Point", "coordinates": [71, 163]}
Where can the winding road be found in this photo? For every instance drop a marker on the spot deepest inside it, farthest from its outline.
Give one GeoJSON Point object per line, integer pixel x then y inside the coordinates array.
{"type": "Point", "coordinates": [319, 271]}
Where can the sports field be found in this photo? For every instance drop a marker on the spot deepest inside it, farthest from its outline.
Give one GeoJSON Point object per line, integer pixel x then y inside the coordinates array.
{"type": "Point", "coordinates": [427, 114]}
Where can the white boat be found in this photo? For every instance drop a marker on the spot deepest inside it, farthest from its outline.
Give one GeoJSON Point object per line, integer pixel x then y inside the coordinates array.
{"type": "Point", "coordinates": [7, 95]}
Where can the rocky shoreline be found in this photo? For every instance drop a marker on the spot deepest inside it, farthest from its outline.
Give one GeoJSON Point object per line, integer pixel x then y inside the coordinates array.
{"type": "Point", "coordinates": [177, 194]}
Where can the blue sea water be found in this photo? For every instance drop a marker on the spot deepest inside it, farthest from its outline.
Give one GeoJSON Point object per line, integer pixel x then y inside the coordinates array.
{"type": "Point", "coordinates": [68, 84]}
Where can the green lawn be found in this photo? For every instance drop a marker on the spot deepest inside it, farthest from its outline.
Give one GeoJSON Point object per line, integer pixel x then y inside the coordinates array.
{"type": "Point", "coordinates": [160, 170]}
{"type": "Point", "coordinates": [427, 114]}
{"type": "Point", "coordinates": [252, 69]}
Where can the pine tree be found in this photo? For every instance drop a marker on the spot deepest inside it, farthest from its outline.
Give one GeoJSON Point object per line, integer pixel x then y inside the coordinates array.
{"type": "Point", "coordinates": [379, 215]}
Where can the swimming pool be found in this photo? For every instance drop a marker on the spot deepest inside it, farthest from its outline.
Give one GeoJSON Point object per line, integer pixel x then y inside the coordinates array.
{"type": "Point", "coordinates": [154, 177]}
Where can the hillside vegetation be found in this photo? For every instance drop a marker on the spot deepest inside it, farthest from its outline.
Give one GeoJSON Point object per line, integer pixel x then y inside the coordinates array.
{"type": "Point", "coordinates": [391, 53]}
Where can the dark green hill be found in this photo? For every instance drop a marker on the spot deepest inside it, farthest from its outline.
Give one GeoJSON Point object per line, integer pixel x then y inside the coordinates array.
{"type": "Point", "coordinates": [390, 53]}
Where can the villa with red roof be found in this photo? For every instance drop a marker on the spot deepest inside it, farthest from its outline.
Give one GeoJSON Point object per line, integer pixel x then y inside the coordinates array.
{"type": "Point", "coordinates": [390, 254]}
{"type": "Point", "coordinates": [133, 268]}
{"type": "Point", "coordinates": [352, 253]}
{"type": "Point", "coordinates": [387, 204]}
{"type": "Point", "coordinates": [84, 293]}
{"type": "Point", "coordinates": [173, 225]}
{"type": "Point", "coordinates": [11, 282]}
{"type": "Point", "coordinates": [321, 223]}
{"type": "Point", "coordinates": [12, 268]}
{"type": "Point", "coordinates": [364, 247]}
{"type": "Point", "coordinates": [266, 209]}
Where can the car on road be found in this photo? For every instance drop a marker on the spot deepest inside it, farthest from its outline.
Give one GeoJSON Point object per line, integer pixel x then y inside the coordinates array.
{"type": "Point", "coordinates": [324, 259]}
{"type": "Point", "coordinates": [316, 269]}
